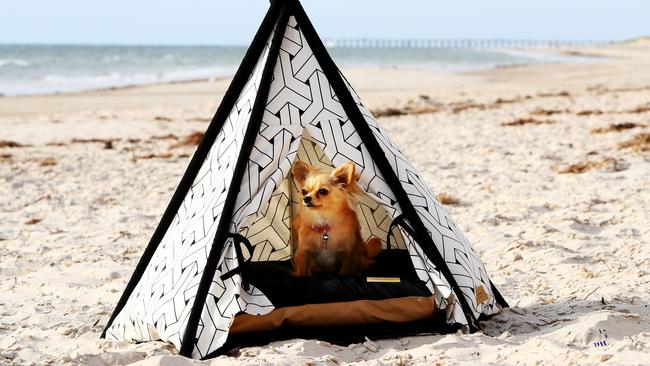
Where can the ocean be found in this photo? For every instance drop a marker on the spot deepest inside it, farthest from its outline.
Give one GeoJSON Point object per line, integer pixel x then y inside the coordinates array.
{"type": "Point", "coordinates": [43, 69]}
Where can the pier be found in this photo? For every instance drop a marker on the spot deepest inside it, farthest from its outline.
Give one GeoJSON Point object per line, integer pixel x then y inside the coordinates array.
{"type": "Point", "coordinates": [459, 43]}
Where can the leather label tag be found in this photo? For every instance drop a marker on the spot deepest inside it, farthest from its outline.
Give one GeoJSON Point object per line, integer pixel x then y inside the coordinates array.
{"type": "Point", "coordinates": [481, 295]}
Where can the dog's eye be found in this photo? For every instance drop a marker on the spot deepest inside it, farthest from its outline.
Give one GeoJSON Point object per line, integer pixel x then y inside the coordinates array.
{"type": "Point", "coordinates": [304, 192]}
{"type": "Point", "coordinates": [323, 192]}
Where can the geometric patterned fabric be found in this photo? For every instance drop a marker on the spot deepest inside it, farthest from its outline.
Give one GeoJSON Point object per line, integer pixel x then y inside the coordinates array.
{"type": "Point", "coordinates": [303, 120]}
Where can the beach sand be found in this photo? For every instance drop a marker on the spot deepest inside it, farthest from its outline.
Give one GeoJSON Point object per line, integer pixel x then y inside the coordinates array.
{"type": "Point", "coordinates": [550, 165]}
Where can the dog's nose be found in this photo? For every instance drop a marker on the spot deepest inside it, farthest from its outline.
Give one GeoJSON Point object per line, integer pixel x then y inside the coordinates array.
{"type": "Point", "coordinates": [307, 199]}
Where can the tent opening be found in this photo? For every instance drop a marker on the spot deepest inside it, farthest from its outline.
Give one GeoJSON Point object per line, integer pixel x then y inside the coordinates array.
{"type": "Point", "coordinates": [380, 294]}
{"type": "Point", "coordinates": [269, 229]}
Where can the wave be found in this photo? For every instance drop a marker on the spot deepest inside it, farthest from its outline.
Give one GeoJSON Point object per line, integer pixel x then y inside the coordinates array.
{"type": "Point", "coordinates": [13, 62]}
{"type": "Point", "coordinates": [58, 83]}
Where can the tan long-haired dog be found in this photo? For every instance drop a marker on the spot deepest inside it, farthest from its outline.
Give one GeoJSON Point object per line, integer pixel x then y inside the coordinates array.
{"type": "Point", "coordinates": [326, 231]}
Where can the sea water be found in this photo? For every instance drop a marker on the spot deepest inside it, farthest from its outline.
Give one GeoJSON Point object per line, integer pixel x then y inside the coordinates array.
{"type": "Point", "coordinates": [42, 69]}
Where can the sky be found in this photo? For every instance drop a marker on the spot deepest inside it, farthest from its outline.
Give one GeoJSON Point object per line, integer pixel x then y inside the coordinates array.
{"type": "Point", "coordinates": [234, 22]}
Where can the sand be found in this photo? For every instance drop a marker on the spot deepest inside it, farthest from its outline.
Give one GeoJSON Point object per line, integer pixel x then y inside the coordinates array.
{"type": "Point", "coordinates": [547, 190]}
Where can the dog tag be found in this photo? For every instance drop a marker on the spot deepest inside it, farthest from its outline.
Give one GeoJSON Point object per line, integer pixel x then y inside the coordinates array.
{"type": "Point", "coordinates": [325, 236]}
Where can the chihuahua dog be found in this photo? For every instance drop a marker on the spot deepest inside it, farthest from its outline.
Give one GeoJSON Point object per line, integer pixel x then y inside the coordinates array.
{"type": "Point", "coordinates": [326, 230]}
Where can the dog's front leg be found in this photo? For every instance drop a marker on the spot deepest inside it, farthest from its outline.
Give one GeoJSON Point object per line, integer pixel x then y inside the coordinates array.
{"type": "Point", "coordinates": [301, 263]}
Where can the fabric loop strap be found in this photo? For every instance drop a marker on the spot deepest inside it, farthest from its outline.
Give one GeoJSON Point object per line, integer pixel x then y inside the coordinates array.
{"type": "Point", "coordinates": [400, 220]}
{"type": "Point", "coordinates": [237, 241]}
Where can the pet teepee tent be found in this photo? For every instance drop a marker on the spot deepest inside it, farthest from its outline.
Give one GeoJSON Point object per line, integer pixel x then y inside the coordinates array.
{"type": "Point", "coordinates": [288, 101]}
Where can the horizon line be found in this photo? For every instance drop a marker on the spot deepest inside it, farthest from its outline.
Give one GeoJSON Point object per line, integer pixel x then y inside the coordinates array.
{"type": "Point", "coordinates": [325, 39]}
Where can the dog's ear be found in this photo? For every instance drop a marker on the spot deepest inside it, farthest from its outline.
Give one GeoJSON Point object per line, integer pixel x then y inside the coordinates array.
{"type": "Point", "coordinates": [345, 174]}
{"type": "Point", "coordinates": [300, 171]}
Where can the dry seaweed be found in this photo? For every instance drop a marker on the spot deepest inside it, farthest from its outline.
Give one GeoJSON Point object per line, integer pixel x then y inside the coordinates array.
{"type": "Point", "coordinates": [47, 162]}
{"type": "Point", "coordinates": [422, 110]}
{"type": "Point", "coordinates": [617, 127]}
{"type": "Point", "coordinates": [579, 168]}
{"type": "Point", "coordinates": [192, 139]}
{"type": "Point", "coordinates": [600, 89]}
{"type": "Point", "coordinates": [563, 93]}
{"type": "Point", "coordinates": [547, 112]}
{"type": "Point", "coordinates": [166, 155]}
{"type": "Point", "coordinates": [589, 112]}
{"type": "Point", "coordinates": [640, 109]}
{"type": "Point", "coordinates": [527, 121]}
{"type": "Point", "coordinates": [6, 158]}
{"type": "Point", "coordinates": [639, 143]}
{"type": "Point", "coordinates": [165, 137]}
{"type": "Point", "coordinates": [108, 143]}
{"type": "Point", "coordinates": [447, 199]}
{"type": "Point", "coordinates": [424, 105]}
{"type": "Point", "coordinates": [7, 143]}
{"type": "Point", "coordinates": [460, 107]}
{"type": "Point", "coordinates": [516, 99]}
{"type": "Point", "coordinates": [388, 112]}
{"type": "Point", "coordinates": [421, 105]}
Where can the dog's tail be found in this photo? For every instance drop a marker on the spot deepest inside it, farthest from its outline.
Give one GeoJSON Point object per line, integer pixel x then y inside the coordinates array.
{"type": "Point", "coordinates": [373, 247]}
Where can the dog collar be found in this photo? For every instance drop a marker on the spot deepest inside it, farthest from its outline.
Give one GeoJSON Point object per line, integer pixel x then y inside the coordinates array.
{"type": "Point", "coordinates": [322, 229]}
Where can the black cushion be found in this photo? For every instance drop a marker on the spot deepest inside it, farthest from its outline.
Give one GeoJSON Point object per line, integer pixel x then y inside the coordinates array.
{"type": "Point", "coordinates": [277, 281]}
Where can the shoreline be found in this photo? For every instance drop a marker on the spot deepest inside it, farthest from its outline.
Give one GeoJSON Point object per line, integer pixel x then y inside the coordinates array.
{"type": "Point", "coordinates": [119, 87]}
{"type": "Point", "coordinates": [567, 52]}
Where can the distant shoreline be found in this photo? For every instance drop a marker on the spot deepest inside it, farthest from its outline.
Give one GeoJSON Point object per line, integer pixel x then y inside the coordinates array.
{"type": "Point", "coordinates": [78, 69]}
{"type": "Point", "coordinates": [120, 87]}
